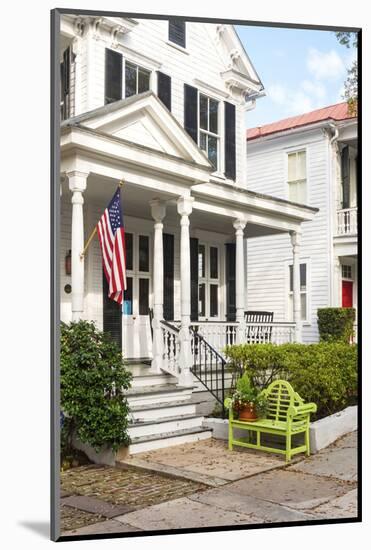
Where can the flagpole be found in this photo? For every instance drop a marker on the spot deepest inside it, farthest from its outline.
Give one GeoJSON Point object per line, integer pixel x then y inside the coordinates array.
{"type": "Point", "coordinates": [92, 234]}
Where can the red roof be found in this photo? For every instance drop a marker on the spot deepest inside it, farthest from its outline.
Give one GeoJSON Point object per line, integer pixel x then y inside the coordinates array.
{"type": "Point", "coordinates": [334, 112]}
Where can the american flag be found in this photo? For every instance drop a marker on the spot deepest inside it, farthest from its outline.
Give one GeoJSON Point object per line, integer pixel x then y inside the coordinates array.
{"type": "Point", "coordinates": [111, 235]}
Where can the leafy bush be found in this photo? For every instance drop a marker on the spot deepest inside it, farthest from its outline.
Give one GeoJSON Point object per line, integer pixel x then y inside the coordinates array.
{"type": "Point", "coordinates": [336, 324]}
{"type": "Point", "coordinates": [93, 384]}
{"type": "Point", "coordinates": [325, 373]}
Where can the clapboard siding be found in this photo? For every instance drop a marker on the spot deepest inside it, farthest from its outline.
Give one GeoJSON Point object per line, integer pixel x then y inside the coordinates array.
{"type": "Point", "coordinates": [201, 60]}
{"type": "Point", "coordinates": [268, 257]}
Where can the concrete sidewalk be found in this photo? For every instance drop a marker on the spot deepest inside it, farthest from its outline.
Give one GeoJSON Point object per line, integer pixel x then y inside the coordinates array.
{"type": "Point", "coordinates": [242, 487]}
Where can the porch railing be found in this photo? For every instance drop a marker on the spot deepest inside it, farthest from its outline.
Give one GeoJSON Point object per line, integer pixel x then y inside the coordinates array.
{"type": "Point", "coordinates": [171, 347]}
{"type": "Point", "coordinates": [220, 334]}
{"type": "Point", "coordinates": [347, 221]}
{"type": "Point", "coordinates": [270, 333]}
{"type": "Point", "coordinates": [208, 366]}
{"type": "Point", "coordinates": [217, 333]}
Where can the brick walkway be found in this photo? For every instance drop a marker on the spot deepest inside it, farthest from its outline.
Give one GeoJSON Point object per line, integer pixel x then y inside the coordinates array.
{"type": "Point", "coordinates": [123, 490]}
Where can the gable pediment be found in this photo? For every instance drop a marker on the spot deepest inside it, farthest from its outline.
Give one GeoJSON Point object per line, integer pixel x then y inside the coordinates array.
{"type": "Point", "coordinates": [145, 121]}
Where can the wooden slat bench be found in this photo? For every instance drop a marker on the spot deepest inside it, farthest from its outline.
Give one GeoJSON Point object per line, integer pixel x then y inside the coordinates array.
{"type": "Point", "coordinates": [287, 415]}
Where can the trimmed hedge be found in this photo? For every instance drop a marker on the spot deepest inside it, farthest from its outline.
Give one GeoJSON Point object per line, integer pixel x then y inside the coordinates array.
{"type": "Point", "coordinates": [335, 324]}
{"type": "Point", "coordinates": [325, 373]}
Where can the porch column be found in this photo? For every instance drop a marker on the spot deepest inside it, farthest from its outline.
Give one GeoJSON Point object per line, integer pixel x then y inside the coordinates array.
{"type": "Point", "coordinates": [239, 227]}
{"type": "Point", "coordinates": [184, 205]}
{"type": "Point", "coordinates": [158, 211]}
{"type": "Point", "coordinates": [295, 242]}
{"type": "Point", "coordinates": [77, 185]}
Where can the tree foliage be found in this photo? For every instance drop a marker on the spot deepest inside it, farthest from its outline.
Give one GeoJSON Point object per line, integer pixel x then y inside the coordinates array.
{"type": "Point", "coordinates": [350, 40]}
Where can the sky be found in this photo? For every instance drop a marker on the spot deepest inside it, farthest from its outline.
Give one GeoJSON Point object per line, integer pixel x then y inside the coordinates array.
{"type": "Point", "coordinates": [301, 70]}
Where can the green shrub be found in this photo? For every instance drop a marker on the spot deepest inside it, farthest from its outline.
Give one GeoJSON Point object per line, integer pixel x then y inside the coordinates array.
{"type": "Point", "coordinates": [325, 373]}
{"type": "Point", "coordinates": [336, 324]}
{"type": "Point", "coordinates": [93, 384]}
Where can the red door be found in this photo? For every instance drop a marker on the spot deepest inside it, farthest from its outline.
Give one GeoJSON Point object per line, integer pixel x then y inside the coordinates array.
{"type": "Point", "coordinates": [347, 294]}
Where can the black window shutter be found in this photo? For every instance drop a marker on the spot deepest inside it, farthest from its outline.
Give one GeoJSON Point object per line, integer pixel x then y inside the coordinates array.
{"type": "Point", "coordinates": [345, 176]}
{"type": "Point", "coordinates": [230, 276]}
{"type": "Point", "coordinates": [113, 76]}
{"type": "Point", "coordinates": [230, 140]}
{"type": "Point", "coordinates": [112, 316]}
{"type": "Point", "coordinates": [190, 111]}
{"type": "Point", "coordinates": [194, 279]}
{"type": "Point", "coordinates": [164, 89]}
{"type": "Point", "coordinates": [168, 244]}
{"type": "Point", "coordinates": [66, 71]}
{"type": "Point", "coordinates": [177, 32]}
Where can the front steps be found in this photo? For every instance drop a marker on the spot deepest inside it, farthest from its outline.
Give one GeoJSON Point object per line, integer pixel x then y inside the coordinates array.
{"type": "Point", "coordinates": [163, 414]}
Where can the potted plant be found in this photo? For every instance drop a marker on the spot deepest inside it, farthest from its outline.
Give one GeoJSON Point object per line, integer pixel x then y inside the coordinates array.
{"type": "Point", "coordinates": [248, 401]}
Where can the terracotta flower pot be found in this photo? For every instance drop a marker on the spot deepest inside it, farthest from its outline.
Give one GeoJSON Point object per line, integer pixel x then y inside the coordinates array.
{"type": "Point", "coordinates": [247, 413]}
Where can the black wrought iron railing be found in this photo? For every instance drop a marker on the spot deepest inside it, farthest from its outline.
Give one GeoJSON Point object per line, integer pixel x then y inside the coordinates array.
{"type": "Point", "coordinates": [209, 367]}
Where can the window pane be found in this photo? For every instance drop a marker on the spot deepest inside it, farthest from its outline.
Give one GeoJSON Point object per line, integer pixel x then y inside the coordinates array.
{"type": "Point", "coordinates": [201, 299]}
{"type": "Point", "coordinates": [203, 112]}
{"type": "Point", "coordinates": [128, 297]}
{"type": "Point", "coordinates": [143, 253]}
{"type": "Point", "coordinates": [143, 296]}
{"type": "Point", "coordinates": [203, 141]}
{"type": "Point", "coordinates": [213, 116]}
{"type": "Point", "coordinates": [303, 300]}
{"type": "Point", "coordinates": [213, 151]}
{"type": "Point", "coordinates": [301, 192]}
{"type": "Point", "coordinates": [201, 260]}
{"type": "Point", "coordinates": [129, 250]}
{"type": "Point", "coordinates": [130, 79]}
{"type": "Point", "coordinates": [143, 80]}
{"type": "Point", "coordinates": [293, 192]}
{"type": "Point", "coordinates": [301, 168]}
{"type": "Point", "coordinates": [303, 276]}
{"type": "Point", "coordinates": [292, 167]}
{"type": "Point", "coordinates": [213, 300]}
{"type": "Point", "coordinates": [213, 262]}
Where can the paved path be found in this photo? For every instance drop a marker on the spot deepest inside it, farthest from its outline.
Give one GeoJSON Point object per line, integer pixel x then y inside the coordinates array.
{"type": "Point", "coordinates": [209, 486]}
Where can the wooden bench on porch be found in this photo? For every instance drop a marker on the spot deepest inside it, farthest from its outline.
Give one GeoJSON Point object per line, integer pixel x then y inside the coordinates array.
{"type": "Point", "coordinates": [287, 416]}
{"type": "Point", "coordinates": [257, 330]}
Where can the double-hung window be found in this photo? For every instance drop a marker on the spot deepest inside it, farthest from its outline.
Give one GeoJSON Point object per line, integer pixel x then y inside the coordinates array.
{"type": "Point", "coordinates": [208, 128]}
{"type": "Point", "coordinates": [297, 176]}
{"type": "Point", "coordinates": [303, 291]}
{"type": "Point", "coordinates": [137, 79]}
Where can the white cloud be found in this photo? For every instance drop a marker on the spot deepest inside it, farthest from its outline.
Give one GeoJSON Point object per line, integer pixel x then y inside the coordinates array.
{"type": "Point", "coordinates": [307, 96]}
{"type": "Point", "coordinates": [325, 65]}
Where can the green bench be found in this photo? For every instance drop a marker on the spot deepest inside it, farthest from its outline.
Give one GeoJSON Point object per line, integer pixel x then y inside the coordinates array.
{"type": "Point", "coordinates": [287, 415]}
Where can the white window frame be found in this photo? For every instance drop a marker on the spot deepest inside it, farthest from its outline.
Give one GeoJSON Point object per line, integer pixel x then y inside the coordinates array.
{"type": "Point", "coordinates": [288, 308]}
{"type": "Point", "coordinates": [207, 132]}
{"type": "Point", "coordinates": [135, 274]}
{"type": "Point", "coordinates": [138, 66]}
{"type": "Point", "coordinates": [207, 280]}
{"type": "Point", "coordinates": [292, 151]}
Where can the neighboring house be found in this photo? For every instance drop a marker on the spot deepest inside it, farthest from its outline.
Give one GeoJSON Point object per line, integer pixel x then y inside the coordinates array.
{"type": "Point", "coordinates": [307, 159]}
{"type": "Point", "coordinates": [162, 104]}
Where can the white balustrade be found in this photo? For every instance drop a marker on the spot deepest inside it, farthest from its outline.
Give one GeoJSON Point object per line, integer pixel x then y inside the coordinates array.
{"type": "Point", "coordinates": [171, 347]}
{"type": "Point", "coordinates": [270, 333]}
{"type": "Point", "coordinates": [347, 221]}
{"type": "Point", "coordinates": [217, 334]}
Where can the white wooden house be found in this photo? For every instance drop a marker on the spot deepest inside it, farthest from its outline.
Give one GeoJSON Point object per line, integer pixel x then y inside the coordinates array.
{"type": "Point", "coordinates": [162, 104]}
{"type": "Point", "coordinates": [311, 159]}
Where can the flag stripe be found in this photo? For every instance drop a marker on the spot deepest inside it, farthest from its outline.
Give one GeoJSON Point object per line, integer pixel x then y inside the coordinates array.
{"type": "Point", "coordinates": [111, 235]}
